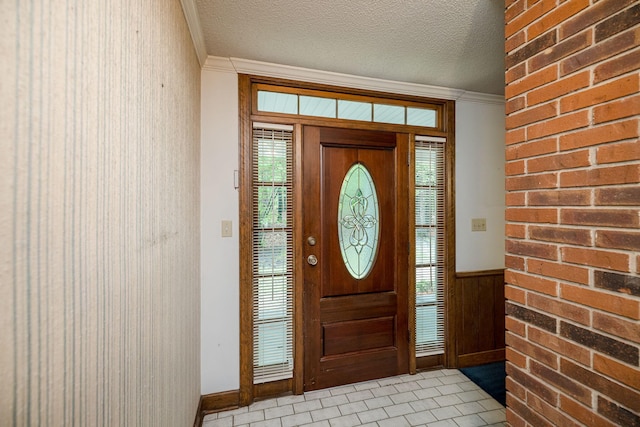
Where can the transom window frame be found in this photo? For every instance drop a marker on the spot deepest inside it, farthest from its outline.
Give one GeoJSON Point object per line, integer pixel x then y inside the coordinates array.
{"type": "Point", "coordinates": [374, 101]}
{"type": "Point", "coordinates": [249, 113]}
{"type": "Point", "coordinates": [354, 95]}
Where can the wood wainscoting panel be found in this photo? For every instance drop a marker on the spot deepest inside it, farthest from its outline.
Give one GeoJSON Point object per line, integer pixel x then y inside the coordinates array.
{"type": "Point", "coordinates": [480, 317]}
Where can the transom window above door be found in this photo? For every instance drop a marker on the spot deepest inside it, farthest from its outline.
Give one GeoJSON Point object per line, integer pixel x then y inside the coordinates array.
{"type": "Point", "coordinates": [282, 100]}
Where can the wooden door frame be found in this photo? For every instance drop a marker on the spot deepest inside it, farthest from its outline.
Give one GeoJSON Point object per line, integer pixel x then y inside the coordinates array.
{"type": "Point", "coordinates": [248, 114]}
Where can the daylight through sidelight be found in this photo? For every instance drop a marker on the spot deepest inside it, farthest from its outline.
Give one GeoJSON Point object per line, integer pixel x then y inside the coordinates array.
{"type": "Point", "coordinates": [429, 250]}
{"type": "Point", "coordinates": [273, 254]}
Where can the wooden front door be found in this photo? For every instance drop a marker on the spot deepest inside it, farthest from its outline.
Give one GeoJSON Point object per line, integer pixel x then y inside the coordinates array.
{"type": "Point", "coordinates": [355, 255]}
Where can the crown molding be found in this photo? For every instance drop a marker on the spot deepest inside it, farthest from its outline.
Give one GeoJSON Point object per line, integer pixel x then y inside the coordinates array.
{"type": "Point", "coordinates": [217, 63]}
{"type": "Point", "coordinates": [266, 69]}
{"type": "Point", "coordinates": [246, 66]}
{"type": "Point", "coordinates": [193, 22]}
{"type": "Point", "coordinates": [484, 98]}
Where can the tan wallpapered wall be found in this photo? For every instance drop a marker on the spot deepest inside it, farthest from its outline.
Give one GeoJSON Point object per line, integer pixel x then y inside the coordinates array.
{"type": "Point", "coordinates": [99, 214]}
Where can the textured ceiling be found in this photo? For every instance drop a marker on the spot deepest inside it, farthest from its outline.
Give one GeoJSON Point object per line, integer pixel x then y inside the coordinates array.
{"type": "Point", "coordinates": [452, 43]}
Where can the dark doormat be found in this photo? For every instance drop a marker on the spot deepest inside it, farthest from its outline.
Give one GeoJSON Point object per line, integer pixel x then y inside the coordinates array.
{"type": "Point", "coordinates": [490, 378]}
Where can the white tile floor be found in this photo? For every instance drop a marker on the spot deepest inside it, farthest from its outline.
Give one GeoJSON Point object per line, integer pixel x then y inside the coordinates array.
{"type": "Point", "coordinates": [435, 398]}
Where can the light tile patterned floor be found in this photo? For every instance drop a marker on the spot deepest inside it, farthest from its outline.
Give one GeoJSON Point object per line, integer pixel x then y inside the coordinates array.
{"type": "Point", "coordinates": [435, 398]}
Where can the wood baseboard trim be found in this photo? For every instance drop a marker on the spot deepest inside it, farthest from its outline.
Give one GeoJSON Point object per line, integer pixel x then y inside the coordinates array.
{"type": "Point", "coordinates": [464, 274]}
{"type": "Point", "coordinates": [480, 358]}
{"type": "Point", "coordinates": [216, 402]}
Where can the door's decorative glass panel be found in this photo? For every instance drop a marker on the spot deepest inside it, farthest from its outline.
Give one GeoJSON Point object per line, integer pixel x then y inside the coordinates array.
{"type": "Point", "coordinates": [358, 221]}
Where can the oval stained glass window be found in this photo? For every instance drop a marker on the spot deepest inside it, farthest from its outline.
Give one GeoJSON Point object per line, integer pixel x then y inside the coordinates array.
{"type": "Point", "coordinates": [358, 221]}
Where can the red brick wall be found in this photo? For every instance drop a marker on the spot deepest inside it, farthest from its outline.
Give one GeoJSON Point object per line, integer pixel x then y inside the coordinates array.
{"type": "Point", "coordinates": [573, 217]}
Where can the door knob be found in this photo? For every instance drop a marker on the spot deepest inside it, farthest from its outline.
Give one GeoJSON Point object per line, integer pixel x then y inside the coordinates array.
{"type": "Point", "coordinates": [312, 260]}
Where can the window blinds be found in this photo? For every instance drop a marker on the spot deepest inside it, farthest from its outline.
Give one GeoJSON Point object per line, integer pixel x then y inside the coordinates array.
{"type": "Point", "coordinates": [430, 243]}
{"type": "Point", "coordinates": [272, 264]}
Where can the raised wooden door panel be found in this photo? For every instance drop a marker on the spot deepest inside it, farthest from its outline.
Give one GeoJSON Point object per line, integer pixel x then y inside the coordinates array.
{"type": "Point", "coordinates": [355, 327]}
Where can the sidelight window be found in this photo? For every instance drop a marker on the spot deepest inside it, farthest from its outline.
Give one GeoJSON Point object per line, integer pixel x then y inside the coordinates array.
{"type": "Point", "coordinates": [272, 234]}
{"type": "Point", "coordinates": [429, 249]}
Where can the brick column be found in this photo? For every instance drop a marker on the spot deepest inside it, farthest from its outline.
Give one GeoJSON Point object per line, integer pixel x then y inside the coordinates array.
{"type": "Point", "coordinates": [573, 217]}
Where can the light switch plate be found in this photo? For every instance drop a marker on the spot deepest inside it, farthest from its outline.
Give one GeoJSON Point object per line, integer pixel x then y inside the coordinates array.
{"type": "Point", "coordinates": [478, 224]}
{"type": "Point", "coordinates": [226, 228]}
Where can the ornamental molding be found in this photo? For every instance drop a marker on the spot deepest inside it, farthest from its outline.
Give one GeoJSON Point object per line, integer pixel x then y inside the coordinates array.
{"type": "Point", "coordinates": [267, 69]}
{"type": "Point", "coordinates": [192, 17]}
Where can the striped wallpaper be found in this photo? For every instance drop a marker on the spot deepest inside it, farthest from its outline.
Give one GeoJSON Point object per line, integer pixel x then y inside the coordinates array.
{"type": "Point", "coordinates": [99, 214]}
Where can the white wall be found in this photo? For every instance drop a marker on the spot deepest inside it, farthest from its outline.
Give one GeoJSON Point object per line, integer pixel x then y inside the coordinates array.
{"type": "Point", "coordinates": [220, 329]}
{"type": "Point", "coordinates": [480, 193]}
{"type": "Point", "coordinates": [479, 184]}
